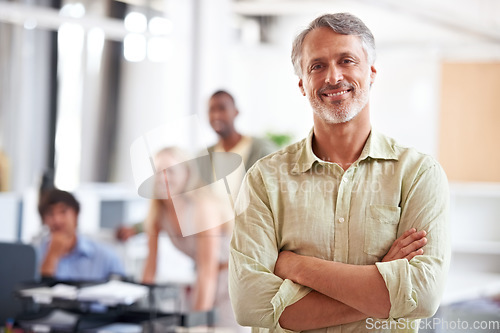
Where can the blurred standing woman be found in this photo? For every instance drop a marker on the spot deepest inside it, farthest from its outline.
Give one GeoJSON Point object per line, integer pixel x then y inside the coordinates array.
{"type": "Point", "coordinates": [192, 219]}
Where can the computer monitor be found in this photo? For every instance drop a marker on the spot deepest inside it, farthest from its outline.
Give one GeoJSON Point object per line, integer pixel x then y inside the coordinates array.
{"type": "Point", "coordinates": [17, 266]}
{"type": "Point", "coordinates": [11, 208]}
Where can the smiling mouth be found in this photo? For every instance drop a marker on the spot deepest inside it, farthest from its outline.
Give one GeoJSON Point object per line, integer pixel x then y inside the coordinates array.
{"type": "Point", "coordinates": [338, 93]}
{"type": "Point", "coordinates": [217, 125]}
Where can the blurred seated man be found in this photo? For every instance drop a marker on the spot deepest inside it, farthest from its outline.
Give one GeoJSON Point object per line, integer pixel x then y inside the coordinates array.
{"type": "Point", "coordinates": [65, 254]}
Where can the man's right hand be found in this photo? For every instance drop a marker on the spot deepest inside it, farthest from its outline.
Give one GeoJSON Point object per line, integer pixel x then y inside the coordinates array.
{"type": "Point", "coordinates": [409, 245]}
{"type": "Point", "coordinates": [60, 244]}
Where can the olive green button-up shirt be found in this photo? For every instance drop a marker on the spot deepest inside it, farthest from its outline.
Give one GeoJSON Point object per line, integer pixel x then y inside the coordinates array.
{"type": "Point", "coordinates": [292, 200]}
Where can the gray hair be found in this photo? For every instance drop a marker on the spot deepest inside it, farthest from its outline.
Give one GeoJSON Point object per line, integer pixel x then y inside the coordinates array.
{"type": "Point", "coordinates": [341, 23]}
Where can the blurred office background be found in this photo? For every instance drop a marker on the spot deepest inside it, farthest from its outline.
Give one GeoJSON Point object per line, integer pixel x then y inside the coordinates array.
{"type": "Point", "coordinates": [80, 80]}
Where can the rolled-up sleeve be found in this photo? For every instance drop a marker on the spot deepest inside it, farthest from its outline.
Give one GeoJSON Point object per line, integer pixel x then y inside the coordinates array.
{"type": "Point", "coordinates": [416, 287]}
{"type": "Point", "coordinates": [257, 295]}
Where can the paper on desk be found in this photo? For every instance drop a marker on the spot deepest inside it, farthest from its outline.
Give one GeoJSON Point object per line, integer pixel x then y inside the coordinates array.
{"type": "Point", "coordinates": [46, 294]}
{"type": "Point", "coordinates": [57, 320]}
{"type": "Point", "coordinates": [113, 293]}
{"type": "Point", "coordinates": [118, 328]}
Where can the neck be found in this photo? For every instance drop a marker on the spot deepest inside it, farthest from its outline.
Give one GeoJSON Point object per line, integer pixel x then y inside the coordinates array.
{"type": "Point", "coordinates": [229, 141]}
{"type": "Point", "coordinates": [171, 214]}
{"type": "Point", "coordinates": [341, 143]}
{"type": "Point", "coordinates": [73, 242]}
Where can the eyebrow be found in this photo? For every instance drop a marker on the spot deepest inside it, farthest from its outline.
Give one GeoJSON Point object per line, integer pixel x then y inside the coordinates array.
{"type": "Point", "coordinates": [315, 60]}
{"type": "Point", "coordinates": [347, 54]}
{"type": "Point", "coordinates": [340, 55]}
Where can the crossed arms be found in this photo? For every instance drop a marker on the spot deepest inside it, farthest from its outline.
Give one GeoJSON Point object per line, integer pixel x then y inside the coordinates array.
{"type": "Point", "coordinates": [355, 293]}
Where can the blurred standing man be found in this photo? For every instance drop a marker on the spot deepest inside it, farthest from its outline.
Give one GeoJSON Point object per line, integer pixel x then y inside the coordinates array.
{"type": "Point", "coordinates": [67, 255]}
{"type": "Point", "coordinates": [222, 113]}
{"type": "Point", "coordinates": [346, 225]}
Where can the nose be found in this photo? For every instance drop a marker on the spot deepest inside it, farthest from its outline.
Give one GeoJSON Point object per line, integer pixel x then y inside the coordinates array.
{"type": "Point", "coordinates": [215, 114]}
{"type": "Point", "coordinates": [54, 221]}
{"type": "Point", "coordinates": [334, 75]}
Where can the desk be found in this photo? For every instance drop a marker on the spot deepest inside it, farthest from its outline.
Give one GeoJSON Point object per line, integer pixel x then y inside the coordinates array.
{"type": "Point", "coordinates": [72, 314]}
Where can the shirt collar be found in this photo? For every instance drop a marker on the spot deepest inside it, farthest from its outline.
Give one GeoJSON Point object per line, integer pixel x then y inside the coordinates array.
{"type": "Point", "coordinates": [378, 146]}
{"type": "Point", "coordinates": [306, 156]}
{"type": "Point", "coordinates": [83, 247]}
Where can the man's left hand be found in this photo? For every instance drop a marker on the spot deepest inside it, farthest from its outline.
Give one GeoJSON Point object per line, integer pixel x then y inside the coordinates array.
{"type": "Point", "coordinates": [409, 245]}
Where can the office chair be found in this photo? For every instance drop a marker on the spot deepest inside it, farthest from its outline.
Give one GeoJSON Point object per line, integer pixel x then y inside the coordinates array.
{"type": "Point", "coordinates": [17, 266]}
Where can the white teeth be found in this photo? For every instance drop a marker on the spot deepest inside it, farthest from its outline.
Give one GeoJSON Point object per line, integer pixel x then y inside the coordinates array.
{"type": "Point", "coordinates": [337, 94]}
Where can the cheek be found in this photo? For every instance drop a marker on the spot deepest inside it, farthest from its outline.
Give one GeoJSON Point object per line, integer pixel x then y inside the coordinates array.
{"type": "Point", "coordinates": [308, 87]}
{"type": "Point", "coordinates": [212, 116]}
{"type": "Point", "coordinates": [315, 84]}
{"type": "Point", "coordinates": [48, 223]}
{"type": "Point", "coordinates": [71, 219]}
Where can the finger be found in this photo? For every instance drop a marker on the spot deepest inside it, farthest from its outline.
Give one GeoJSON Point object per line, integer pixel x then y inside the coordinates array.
{"type": "Point", "coordinates": [408, 233]}
{"type": "Point", "coordinates": [405, 235]}
{"type": "Point", "coordinates": [399, 251]}
{"type": "Point", "coordinates": [414, 254]}
{"type": "Point", "coordinates": [400, 242]}
{"type": "Point", "coordinates": [394, 246]}
{"type": "Point", "coordinates": [415, 245]}
{"type": "Point", "coordinates": [411, 238]}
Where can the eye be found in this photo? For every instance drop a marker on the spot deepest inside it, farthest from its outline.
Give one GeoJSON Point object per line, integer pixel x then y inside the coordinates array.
{"type": "Point", "coordinates": [316, 67]}
{"type": "Point", "coordinates": [348, 61]}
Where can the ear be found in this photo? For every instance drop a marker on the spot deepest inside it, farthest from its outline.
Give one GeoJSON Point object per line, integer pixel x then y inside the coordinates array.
{"type": "Point", "coordinates": [373, 74]}
{"type": "Point", "coordinates": [301, 87]}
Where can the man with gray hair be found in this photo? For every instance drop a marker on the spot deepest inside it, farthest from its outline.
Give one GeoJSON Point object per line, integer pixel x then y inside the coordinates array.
{"type": "Point", "coordinates": [345, 226]}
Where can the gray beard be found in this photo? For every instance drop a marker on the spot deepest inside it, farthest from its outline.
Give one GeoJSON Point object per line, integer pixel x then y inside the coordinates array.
{"type": "Point", "coordinates": [341, 112]}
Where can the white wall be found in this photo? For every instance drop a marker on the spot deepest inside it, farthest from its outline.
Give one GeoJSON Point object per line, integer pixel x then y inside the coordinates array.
{"type": "Point", "coordinates": [405, 98]}
{"type": "Point", "coordinates": [267, 92]}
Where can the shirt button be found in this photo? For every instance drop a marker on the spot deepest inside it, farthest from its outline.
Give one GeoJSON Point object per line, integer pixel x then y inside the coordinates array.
{"type": "Point", "coordinates": [345, 180]}
{"type": "Point", "coordinates": [341, 220]}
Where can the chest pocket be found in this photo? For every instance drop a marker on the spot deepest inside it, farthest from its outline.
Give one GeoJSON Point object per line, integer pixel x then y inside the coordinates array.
{"type": "Point", "coordinates": [381, 229]}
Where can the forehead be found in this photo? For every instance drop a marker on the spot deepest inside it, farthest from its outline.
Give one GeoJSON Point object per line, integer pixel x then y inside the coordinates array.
{"type": "Point", "coordinates": [324, 42]}
{"type": "Point", "coordinates": [58, 206]}
{"type": "Point", "coordinates": [221, 99]}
